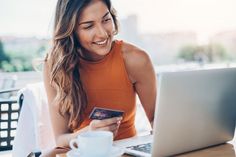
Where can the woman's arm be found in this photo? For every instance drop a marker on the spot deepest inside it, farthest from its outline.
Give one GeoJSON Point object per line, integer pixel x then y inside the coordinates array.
{"type": "Point", "coordinates": [59, 123]}
{"type": "Point", "coordinates": [142, 75]}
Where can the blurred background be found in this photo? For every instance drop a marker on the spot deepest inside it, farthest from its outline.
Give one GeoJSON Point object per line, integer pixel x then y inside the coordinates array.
{"type": "Point", "coordinates": [177, 34]}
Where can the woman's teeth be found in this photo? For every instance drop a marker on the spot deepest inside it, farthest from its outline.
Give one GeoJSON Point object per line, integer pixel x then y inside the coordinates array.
{"type": "Point", "coordinates": [101, 42]}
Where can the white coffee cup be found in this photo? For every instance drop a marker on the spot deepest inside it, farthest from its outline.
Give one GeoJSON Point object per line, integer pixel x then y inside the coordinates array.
{"type": "Point", "coordinates": [93, 143]}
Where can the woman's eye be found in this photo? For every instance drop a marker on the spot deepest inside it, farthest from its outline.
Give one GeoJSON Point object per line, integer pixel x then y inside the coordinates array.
{"type": "Point", "coordinates": [108, 19]}
{"type": "Point", "coordinates": [88, 27]}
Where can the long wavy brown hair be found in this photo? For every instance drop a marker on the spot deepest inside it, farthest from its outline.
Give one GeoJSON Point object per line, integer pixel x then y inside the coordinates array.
{"type": "Point", "coordinates": [63, 60]}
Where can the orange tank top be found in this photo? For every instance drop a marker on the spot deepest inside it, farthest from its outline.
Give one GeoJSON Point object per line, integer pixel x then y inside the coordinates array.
{"type": "Point", "coordinates": [107, 85]}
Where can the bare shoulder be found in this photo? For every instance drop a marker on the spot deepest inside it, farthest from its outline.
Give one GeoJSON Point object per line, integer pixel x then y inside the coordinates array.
{"type": "Point", "coordinates": [136, 60]}
{"type": "Point", "coordinates": [134, 55]}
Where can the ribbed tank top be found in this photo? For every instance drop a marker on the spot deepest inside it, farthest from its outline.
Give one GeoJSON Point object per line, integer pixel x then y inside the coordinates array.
{"type": "Point", "coordinates": [107, 85]}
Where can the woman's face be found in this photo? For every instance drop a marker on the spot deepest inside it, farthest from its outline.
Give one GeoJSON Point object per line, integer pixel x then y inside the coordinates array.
{"type": "Point", "coordinates": [95, 30]}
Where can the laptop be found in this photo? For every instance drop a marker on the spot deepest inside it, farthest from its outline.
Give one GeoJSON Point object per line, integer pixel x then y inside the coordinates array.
{"type": "Point", "coordinates": [194, 110]}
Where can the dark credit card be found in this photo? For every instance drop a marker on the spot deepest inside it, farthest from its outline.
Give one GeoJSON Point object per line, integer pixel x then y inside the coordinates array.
{"type": "Point", "coordinates": [104, 113]}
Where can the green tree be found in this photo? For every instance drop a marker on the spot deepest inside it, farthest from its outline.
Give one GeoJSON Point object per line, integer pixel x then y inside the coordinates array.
{"type": "Point", "coordinates": [205, 53]}
{"type": "Point", "coordinates": [218, 52]}
{"type": "Point", "coordinates": [3, 56]}
{"type": "Point", "coordinates": [187, 52]}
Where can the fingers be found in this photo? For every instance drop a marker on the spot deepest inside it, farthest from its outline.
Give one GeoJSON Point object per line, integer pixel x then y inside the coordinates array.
{"type": "Point", "coordinates": [95, 124]}
{"type": "Point", "coordinates": [112, 128]}
{"type": "Point", "coordinates": [109, 128]}
{"type": "Point", "coordinates": [115, 131]}
{"type": "Point", "coordinates": [111, 124]}
{"type": "Point", "coordinates": [109, 121]}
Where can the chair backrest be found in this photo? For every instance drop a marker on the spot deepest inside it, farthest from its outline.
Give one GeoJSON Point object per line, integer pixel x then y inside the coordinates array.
{"type": "Point", "coordinates": [8, 83]}
{"type": "Point", "coordinates": [9, 114]}
{"type": "Point", "coordinates": [34, 130]}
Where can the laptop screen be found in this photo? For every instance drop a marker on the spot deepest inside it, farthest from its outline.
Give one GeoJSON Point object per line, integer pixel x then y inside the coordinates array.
{"type": "Point", "coordinates": [195, 109]}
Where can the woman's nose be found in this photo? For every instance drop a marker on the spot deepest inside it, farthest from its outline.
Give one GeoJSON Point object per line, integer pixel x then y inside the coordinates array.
{"type": "Point", "coordinates": [101, 32]}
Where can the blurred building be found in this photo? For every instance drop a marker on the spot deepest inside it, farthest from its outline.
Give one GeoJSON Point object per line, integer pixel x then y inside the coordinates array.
{"type": "Point", "coordinates": [162, 47]}
{"type": "Point", "coordinates": [19, 44]}
{"type": "Point", "coordinates": [128, 30]}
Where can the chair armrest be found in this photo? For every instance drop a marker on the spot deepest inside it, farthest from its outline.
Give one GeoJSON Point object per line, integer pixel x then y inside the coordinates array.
{"type": "Point", "coordinates": [34, 154]}
{"type": "Point", "coordinates": [9, 90]}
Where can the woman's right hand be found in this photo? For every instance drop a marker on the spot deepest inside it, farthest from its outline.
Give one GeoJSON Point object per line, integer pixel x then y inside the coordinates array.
{"type": "Point", "coordinates": [111, 124]}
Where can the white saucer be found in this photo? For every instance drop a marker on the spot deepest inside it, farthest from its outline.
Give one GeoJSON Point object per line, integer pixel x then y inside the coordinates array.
{"type": "Point", "coordinates": [115, 152]}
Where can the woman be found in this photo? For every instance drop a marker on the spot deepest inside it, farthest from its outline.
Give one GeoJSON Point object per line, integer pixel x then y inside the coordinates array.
{"type": "Point", "coordinates": [87, 68]}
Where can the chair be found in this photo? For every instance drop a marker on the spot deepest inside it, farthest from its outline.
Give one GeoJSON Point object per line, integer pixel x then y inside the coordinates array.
{"type": "Point", "coordinates": [34, 130]}
{"type": "Point", "coordinates": [9, 114]}
{"type": "Point", "coordinates": [8, 83]}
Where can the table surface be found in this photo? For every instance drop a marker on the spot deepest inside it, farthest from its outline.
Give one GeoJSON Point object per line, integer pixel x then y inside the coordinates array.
{"type": "Point", "coordinates": [223, 150]}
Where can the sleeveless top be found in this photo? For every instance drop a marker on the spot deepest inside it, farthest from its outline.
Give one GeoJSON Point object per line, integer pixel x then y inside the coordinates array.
{"type": "Point", "coordinates": [107, 85]}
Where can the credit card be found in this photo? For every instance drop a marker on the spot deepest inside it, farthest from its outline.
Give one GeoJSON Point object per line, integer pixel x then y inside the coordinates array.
{"type": "Point", "coordinates": [105, 113]}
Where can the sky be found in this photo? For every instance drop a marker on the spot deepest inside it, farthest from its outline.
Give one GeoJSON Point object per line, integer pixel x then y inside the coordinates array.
{"type": "Point", "coordinates": [35, 17]}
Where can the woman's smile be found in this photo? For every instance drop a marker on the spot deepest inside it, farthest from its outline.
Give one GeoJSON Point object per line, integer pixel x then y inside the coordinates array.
{"type": "Point", "coordinates": [102, 42]}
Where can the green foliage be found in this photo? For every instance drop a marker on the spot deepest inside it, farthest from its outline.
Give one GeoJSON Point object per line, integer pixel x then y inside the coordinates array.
{"type": "Point", "coordinates": [206, 53]}
{"type": "Point", "coordinates": [3, 56]}
{"type": "Point", "coordinates": [6, 66]}
{"type": "Point", "coordinates": [219, 50]}
{"type": "Point", "coordinates": [20, 58]}
{"type": "Point", "coordinates": [187, 52]}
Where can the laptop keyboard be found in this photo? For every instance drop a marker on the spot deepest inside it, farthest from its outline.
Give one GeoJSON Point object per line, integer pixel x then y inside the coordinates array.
{"type": "Point", "coordinates": [142, 147]}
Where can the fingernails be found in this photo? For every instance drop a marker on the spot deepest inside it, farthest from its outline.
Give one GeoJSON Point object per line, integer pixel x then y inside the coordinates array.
{"type": "Point", "coordinates": [119, 118]}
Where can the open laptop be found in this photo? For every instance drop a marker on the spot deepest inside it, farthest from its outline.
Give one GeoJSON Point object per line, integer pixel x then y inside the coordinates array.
{"type": "Point", "coordinates": [194, 110]}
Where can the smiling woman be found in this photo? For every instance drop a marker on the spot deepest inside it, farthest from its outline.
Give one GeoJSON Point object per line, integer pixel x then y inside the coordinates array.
{"type": "Point", "coordinates": [88, 68]}
{"type": "Point", "coordinates": [95, 31]}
